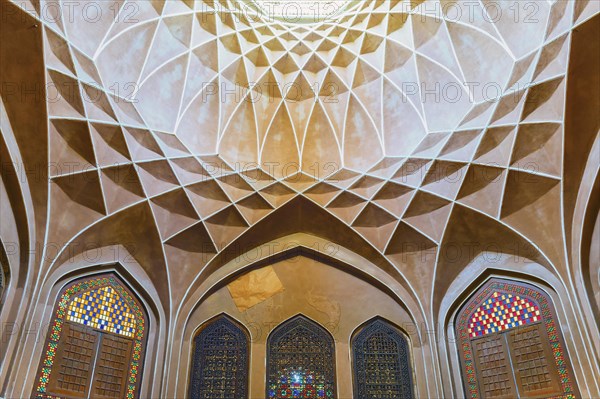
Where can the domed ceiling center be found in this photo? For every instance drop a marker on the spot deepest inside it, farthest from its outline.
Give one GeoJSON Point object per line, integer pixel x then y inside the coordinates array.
{"type": "Point", "coordinates": [367, 82]}
{"type": "Point", "coordinates": [302, 11]}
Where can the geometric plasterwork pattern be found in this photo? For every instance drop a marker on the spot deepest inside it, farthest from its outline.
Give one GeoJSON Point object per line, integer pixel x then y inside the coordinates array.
{"type": "Point", "coordinates": [389, 115]}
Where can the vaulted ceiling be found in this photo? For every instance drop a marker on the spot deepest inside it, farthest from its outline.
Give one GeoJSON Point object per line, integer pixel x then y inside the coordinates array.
{"type": "Point", "coordinates": [401, 127]}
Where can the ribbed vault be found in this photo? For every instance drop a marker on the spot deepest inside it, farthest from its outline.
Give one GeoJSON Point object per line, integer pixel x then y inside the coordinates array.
{"type": "Point", "coordinates": [185, 124]}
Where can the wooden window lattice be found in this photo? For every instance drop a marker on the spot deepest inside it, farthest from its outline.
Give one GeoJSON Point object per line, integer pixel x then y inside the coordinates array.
{"type": "Point", "coordinates": [300, 361]}
{"type": "Point", "coordinates": [493, 364]}
{"type": "Point", "coordinates": [95, 345]}
{"type": "Point", "coordinates": [530, 351]}
{"type": "Point", "coordinates": [113, 362]}
{"type": "Point", "coordinates": [220, 361]}
{"type": "Point", "coordinates": [511, 346]}
{"type": "Point", "coordinates": [381, 363]}
{"type": "Point", "coordinates": [75, 361]}
{"type": "Point", "coordinates": [91, 361]}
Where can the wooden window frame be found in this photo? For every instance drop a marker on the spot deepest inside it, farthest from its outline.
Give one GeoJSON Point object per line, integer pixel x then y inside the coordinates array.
{"type": "Point", "coordinates": [79, 329]}
{"type": "Point", "coordinates": [288, 327]}
{"type": "Point", "coordinates": [203, 328]}
{"type": "Point", "coordinates": [376, 324]}
{"type": "Point", "coordinates": [55, 334]}
{"type": "Point", "coordinates": [553, 334]}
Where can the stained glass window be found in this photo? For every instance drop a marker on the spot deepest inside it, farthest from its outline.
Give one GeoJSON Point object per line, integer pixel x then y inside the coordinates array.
{"type": "Point", "coordinates": [4, 274]}
{"type": "Point", "coordinates": [95, 343]}
{"type": "Point", "coordinates": [300, 361]}
{"type": "Point", "coordinates": [220, 361]}
{"type": "Point", "coordinates": [1, 281]}
{"type": "Point", "coordinates": [103, 309]}
{"type": "Point", "coordinates": [381, 363]}
{"type": "Point", "coordinates": [502, 312]}
{"type": "Point", "coordinates": [511, 346]}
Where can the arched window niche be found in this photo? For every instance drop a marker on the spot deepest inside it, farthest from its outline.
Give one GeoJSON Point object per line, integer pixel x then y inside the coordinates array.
{"type": "Point", "coordinates": [511, 346]}
{"type": "Point", "coordinates": [381, 362]}
{"type": "Point", "coordinates": [221, 360]}
{"type": "Point", "coordinates": [96, 342]}
{"type": "Point", "coordinates": [300, 361]}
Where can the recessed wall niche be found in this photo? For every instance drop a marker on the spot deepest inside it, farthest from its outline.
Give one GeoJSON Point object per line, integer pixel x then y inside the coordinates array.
{"type": "Point", "coordinates": [336, 299]}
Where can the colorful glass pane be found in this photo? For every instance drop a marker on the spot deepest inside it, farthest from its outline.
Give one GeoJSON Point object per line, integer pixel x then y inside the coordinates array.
{"type": "Point", "coordinates": [1, 283]}
{"type": "Point", "coordinates": [502, 312]}
{"type": "Point", "coordinates": [300, 361]}
{"type": "Point", "coordinates": [4, 272]}
{"type": "Point", "coordinates": [299, 383]}
{"type": "Point", "coordinates": [103, 309]}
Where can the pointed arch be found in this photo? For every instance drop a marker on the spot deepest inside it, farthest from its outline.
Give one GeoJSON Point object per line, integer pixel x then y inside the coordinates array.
{"type": "Point", "coordinates": [381, 362]}
{"type": "Point", "coordinates": [510, 344]}
{"type": "Point", "coordinates": [300, 361]}
{"type": "Point", "coordinates": [221, 360]}
{"type": "Point", "coordinates": [96, 341]}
